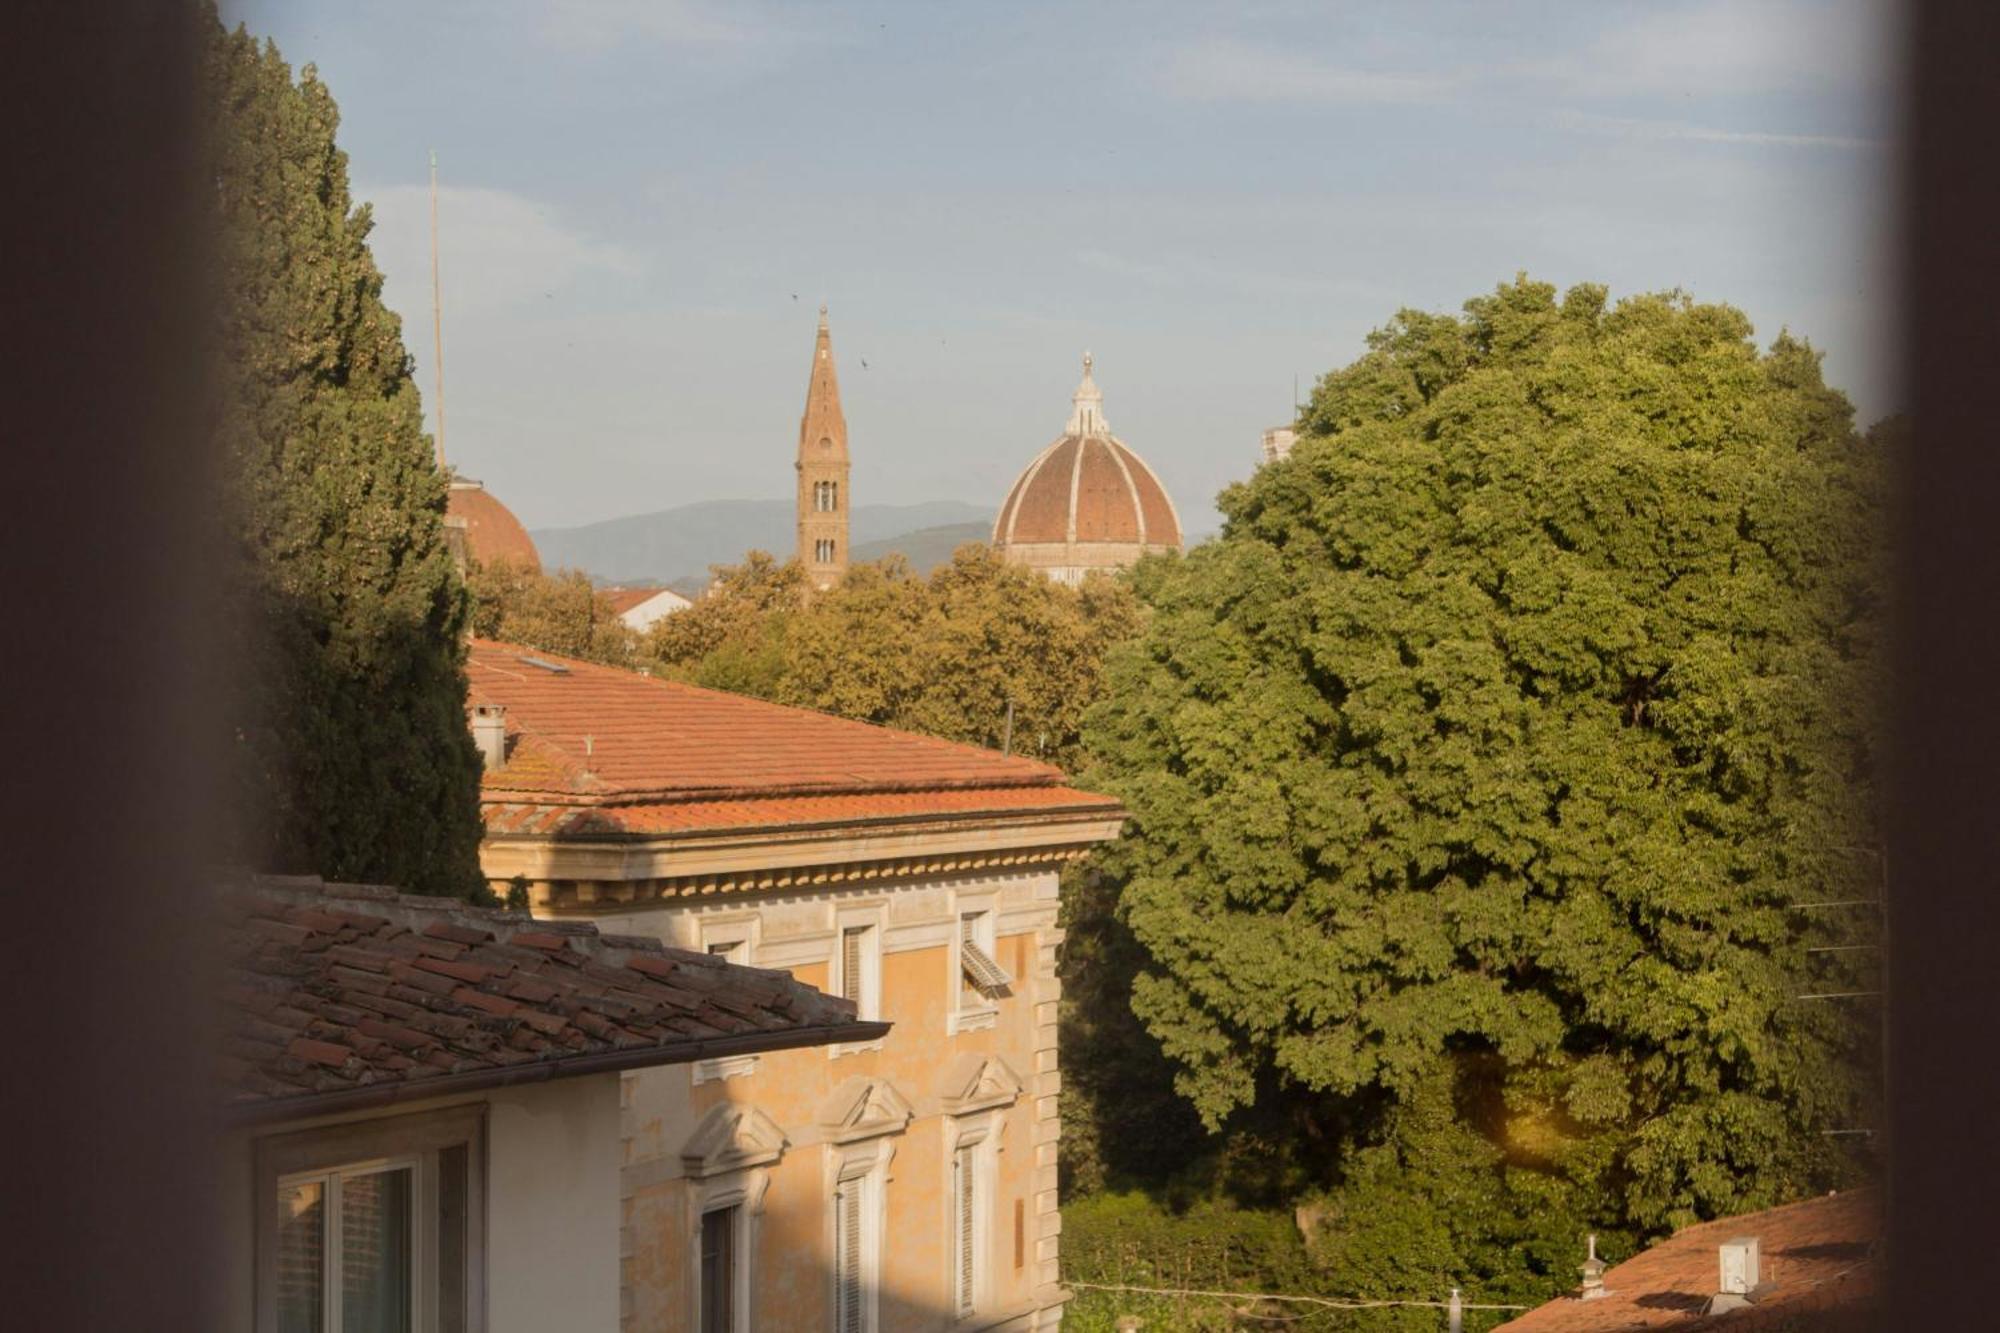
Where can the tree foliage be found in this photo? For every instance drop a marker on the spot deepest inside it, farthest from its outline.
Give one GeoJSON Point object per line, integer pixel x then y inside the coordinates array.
{"type": "Point", "coordinates": [944, 655]}
{"type": "Point", "coordinates": [1483, 762]}
{"type": "Point", "coordinates": [734, 636]}
{"type": "Point", "coordinates": [558, 613]}
{"type": "Point", "coordinates": [353, 755]}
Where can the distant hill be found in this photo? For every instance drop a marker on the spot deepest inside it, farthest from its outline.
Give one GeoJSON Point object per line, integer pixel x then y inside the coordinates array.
{"type": "Point", "coordinates": [926, 548]}
{"type": "Point", "coordinates": [675, 546]}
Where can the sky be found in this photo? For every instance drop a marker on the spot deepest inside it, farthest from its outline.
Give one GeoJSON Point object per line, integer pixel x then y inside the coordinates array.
{"type": "Point", "coordinates": [642, 204]}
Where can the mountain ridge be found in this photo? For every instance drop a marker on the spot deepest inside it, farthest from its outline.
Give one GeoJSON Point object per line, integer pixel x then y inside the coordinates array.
{"type": "Point", "coordinates": [670, 546]}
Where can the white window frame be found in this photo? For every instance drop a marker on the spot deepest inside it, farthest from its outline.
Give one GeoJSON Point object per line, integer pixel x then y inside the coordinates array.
{"type": "Point", "coordinates": [744, 1191]}
{"type": "Point", "coordinates": [874, 918]}
{"type": "Point", "coordinates": [727, 1163]}
{"type": "Point", "coordinates": [863, 1166]}
{"type": "Point", "coordinates": [737, 933]}
{"type": "Point", "coordinates": [980, 1133]}
{"type": "Point", "coordinates": [963, 1015]}
{"type": "Point", "coordinates": [367, 1147]}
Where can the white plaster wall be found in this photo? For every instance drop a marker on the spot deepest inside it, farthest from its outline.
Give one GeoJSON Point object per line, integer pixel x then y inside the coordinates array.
{"type": "Point", "coordinates": [552, 1215]}
{"type": "Point", "coordinates": [654, 609]}
{"type": "Point", "coordinates": [552, 1207]}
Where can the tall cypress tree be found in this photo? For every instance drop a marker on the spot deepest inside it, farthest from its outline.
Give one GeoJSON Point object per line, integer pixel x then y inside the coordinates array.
{"type": "Point", "coordinates": [355, 760]}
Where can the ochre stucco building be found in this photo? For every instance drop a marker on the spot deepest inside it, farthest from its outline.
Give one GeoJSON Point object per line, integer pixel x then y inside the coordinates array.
{"type": "Point", "coordinates": [1086, 502]}
{"type": "Point", "coordinates": [901, 1184]}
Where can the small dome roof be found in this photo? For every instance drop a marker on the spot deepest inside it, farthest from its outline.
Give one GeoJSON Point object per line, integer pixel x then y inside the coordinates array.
{"type": "Point", "coordinates": [492, 533]}
{"type": "Point", "coordinates": [1088, 488]}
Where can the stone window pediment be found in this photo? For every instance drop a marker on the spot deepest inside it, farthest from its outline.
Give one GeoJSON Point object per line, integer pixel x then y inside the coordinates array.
{"type": "Point", "coordinates": [978, 1083]}
{"type": "Point", "coordinates": [732, 1138]}
{"type": "Point", "coordinates": [864, 1108]}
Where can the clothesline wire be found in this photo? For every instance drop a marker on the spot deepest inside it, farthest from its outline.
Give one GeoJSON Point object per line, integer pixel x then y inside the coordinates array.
{"type": "Point", "coordinates": [1271, 1296]}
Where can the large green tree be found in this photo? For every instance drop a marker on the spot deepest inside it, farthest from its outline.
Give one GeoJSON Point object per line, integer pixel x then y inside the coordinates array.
{"type": "Point", "coordinates": [352, 748]}
{"type": "Point", "coordinates": [1488, 760]}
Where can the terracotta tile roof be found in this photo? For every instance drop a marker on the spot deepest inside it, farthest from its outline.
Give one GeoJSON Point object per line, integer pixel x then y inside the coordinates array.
{"type": "Point", "coordinates": [654, 755]}
{"type": "Point", "coordinates": [343, 995]}
{"type": "Point", "coordinates": [1817, 1257]}
{"type": "Point", "coordinates": [668, 817]}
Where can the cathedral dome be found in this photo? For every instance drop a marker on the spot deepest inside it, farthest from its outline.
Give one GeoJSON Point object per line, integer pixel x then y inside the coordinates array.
{"type": "Point", "coordinates": [1086, 502]}
{"type": "Point", "coordinates": [487, 529]}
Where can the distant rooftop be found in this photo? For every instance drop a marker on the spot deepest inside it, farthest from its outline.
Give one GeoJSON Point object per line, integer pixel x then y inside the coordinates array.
{"type": "Point", "coordinates": [626, 599]}
{"type": "Point", "coordinates": [1818, 1262]}
{"type": "Point", "coordinates": [594, 749]}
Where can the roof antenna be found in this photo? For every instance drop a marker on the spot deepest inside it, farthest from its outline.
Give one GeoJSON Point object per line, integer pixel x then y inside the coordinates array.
{"type": "Point", "coordinates": [437, 312]}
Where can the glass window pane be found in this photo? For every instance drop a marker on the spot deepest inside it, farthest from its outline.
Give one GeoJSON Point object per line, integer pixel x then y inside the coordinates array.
{"type": "Point", "coordinates": [301, 1256]}
{"type": "Point", "coordinates": [375, 1252]}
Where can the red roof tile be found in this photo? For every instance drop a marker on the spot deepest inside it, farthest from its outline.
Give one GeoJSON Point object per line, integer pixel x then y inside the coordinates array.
{"type": "Point", "coordinates": [1816, 1257]}
{"type": "Point", "coordinates": [662, 818]}
{"type": "Point", "coordinates": [341, 995]}
{"type": "Point", "coordinates": [644, 755]}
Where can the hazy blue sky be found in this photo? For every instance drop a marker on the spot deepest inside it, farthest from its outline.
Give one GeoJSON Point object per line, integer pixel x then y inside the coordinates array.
{"type": "Point", "coordinates": [644, 201]}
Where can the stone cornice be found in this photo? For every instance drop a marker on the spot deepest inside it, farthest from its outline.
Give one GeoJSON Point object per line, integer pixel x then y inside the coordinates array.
{"type": "Point", "coordinates": [580, 895]}
{"type": "Point", "coordinates": [585, 873]}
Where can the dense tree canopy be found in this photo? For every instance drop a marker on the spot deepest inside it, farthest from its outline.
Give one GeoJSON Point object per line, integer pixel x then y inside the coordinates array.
{"type": "Point", "coordinates": [558, 613]}
{"type": "Point", "coordinates": [353, 755]}
{"type": "Point", "coordinates": [1479, 772]}
{"type": "Point", "coordinates": [945, 655]}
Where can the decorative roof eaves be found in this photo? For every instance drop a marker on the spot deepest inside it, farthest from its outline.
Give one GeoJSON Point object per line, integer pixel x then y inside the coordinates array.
{"type": "Point", "coordinates": [1105, 808]}
{"type": "Point", "coordinates": [392, 1092]}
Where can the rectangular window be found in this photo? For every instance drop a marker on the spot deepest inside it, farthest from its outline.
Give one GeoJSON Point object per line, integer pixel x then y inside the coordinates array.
{"type": "Point", "coordinates": [372, 1226]}
{"type": "Point", "coordinates": [854, 972]}
{"type": "Point", "coordinates": [849, 1254]}
{"type": "Point", "coordinates": [730, 938]}
{"type": "Point", "coordinates": [984, 978]}
{"type": "Point", "coordinates": [964, 1176]}
{"type": "Point", "coordinates": [857, 964]}
{"type": "Point", "coordinates": [718, 1271]}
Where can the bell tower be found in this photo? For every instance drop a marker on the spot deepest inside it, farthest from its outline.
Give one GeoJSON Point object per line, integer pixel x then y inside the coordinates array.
{"type": "Point", "coordinates": [823, 498]}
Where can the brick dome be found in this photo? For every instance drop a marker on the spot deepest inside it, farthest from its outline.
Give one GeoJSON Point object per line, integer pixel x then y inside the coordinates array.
{"type": "Point", "coordinates": [489, 530]}
{"type": "Point", "coordinates": [1086, 502]}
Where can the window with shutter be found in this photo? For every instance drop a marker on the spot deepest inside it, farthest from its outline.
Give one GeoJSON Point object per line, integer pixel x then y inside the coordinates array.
{"type": "Point", "coordinates": [852, 942]}
{"type": "Point", "coordinates": [372, 1226]}
{"type": "Point", "coordinates": [976, 961]}
{"type": "Point", "coordinates": [847, 1222]}
{"type": "Point", "coordinates": [963, 1174]}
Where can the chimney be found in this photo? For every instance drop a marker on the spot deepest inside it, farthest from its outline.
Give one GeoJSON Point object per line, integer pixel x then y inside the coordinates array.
{"type": "Point", "coordinates": [489, 733]}
{"type": "Point", "coordinates": [1739, 1284]}
{"type": "Point", "coordinates": [1593, 1274]}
